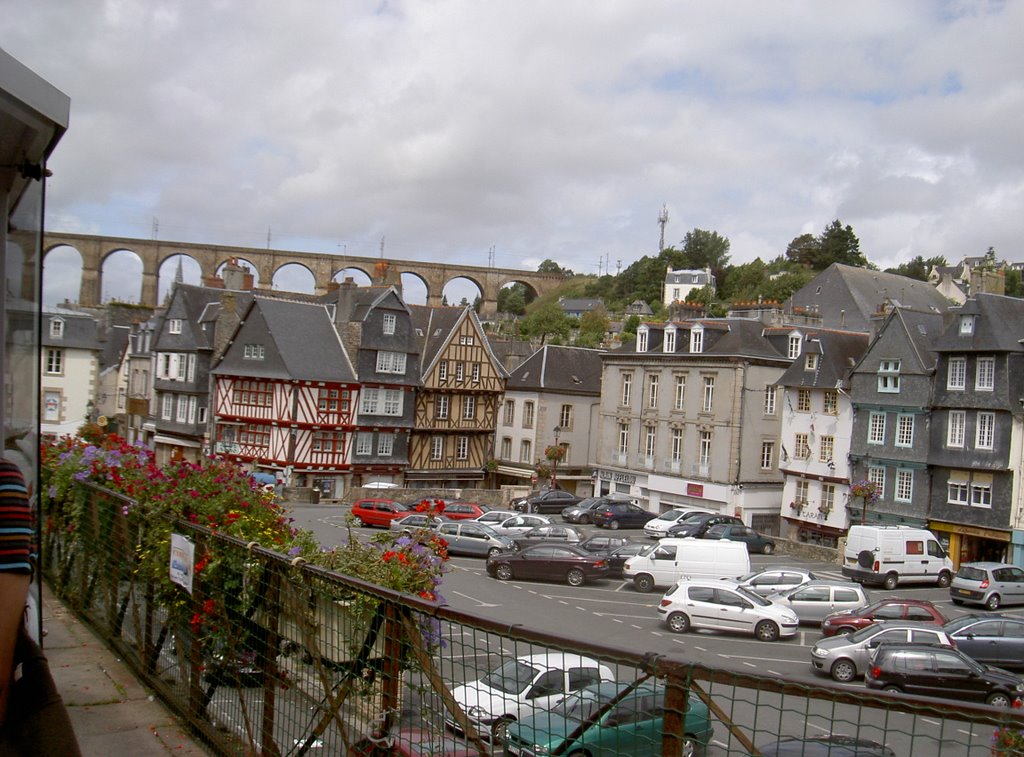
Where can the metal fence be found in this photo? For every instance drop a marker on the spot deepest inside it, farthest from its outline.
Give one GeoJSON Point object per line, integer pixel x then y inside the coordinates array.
{"type": "Point", "coordinates": [306, 661]}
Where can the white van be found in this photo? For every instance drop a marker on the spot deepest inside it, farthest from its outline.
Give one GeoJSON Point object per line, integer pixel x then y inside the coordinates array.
{"type": "Point", "coordinates": [672, 560]}
{"type": "Point", "coordinates": [890, 555]}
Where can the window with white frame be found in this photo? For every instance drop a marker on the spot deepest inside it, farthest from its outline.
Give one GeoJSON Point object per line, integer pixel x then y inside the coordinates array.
{"type": "Point", "coordinates": [889, 376]}
{"type": "Point", "coordinates": [956, 376]}
{"type": "Point", "coordinates": [56, 328]}
{"type": "Point", "coordinates": [650, 437]}
{"type": "Point", "coordinates": [966, 325]}
{"type": "Point", "coordinates": [803, 400]}
{"type": "Point", "coordinates": [709, 394]}
{"type": "Point", "coordinates": [510, 412]}
{"type": "Point", "coordinates": [680, 393]}
{"type": "Point", "coordinates": [524, 451]}
{"type": "Point", "coordinates": [985, 374]}
{"type": "Point", "coordinates": [202, 415]}
{"type": "Point", "coordinates": [566, 452]}
{"type": "Point", "coordinates": [958, 491]}
{"type": "Point", "coordinates": [460, 371]}
{"type": "Point", "coordinates": [167, 406]}
{"type": "Point", "coordinates": [697, 339]}
{"type": "Point", "coordinates": [876, 475]}
{"type": "Point", "coordinates": [704, 449]}
{"type": "Point", "coordinates": [437, 447]}
{"type": "Point", "coordinates": [389, 323]}
{"type": "Point", "coordinates": [904, 489]}
{"type": "Point", "coordinates": [641, 339]}
{"type": "Point", "coordinates": [905, 430]}
{"type": "Point", "coordinates": [565, 418]}
{"type": "Point", "coordinates": [981, 494]}
{"type": "Point", "coordinates": [364, 443]}
{"type": "Point", "coordinates": [626, 393]}
{"type": "Point", "coordinates": [830, 401]}
{"type": "Point", "coordinates": [462, 448]}
{"type": "Point", "coordinates": [811, 361]}
{"type": "Point", "coordinates": [54, 361]}
{"type": "Point", "coordinates": [670, 340]}
{"type": "Point", "coordinates": [801, 446]}
{"type": "Point", "coordinates": [985, 433]}
{"type": "Point", "coordinates": [770, 393]}
{"type": "Point", "coordinates": [468, 408]}
{"type": "Point", "coordinates": [467, 339]}
{"type": "Point", "coordinates": [442, 370]}
{"type": "Point", "coordinates": [254, 352]}
{"type": "Point", "coordinates": [802, 491]}
{"type": "Point", "coordinates": [390, 362]}
{"type": "Point", "coordinates": [385, 445]}
{"type": "Point", "coordinates": [191, 417]}
{"type": "Point", "coordinates": [441, 407]}
{"type": "Point", "coordinates": [174, 326]}
{"type": "Point", "coordinates": [828, 497]}
{"type": "Point", "coordinates": [795, 341]}
{"type": "Point", "coordinates": [652, 391]}
{"type": "Point", "coordinates": [623, 443]}
{"type": "Point", "coordinates": [956, 428]}
{"type": "Point", "coordinates": [767, 455]}
{"type": "Point", "coordinates": [506, 448]}
{"type": "Point", "coordinates": [190, 373]}
{"type": "Point", "coordinates": [474, 373]}
{"type": "Point", "coordinates": [528, 414]}
{"type": "Point", "coordinates": [377, 401]}
{"type": "Point", "coordinates": [876, 428]}
{"type": "Point", "coordinates": [826, 448]}
{"type": "Point", "coordinates": [327, 400]}
{"type": "Point", "coordinates": [677, 445]}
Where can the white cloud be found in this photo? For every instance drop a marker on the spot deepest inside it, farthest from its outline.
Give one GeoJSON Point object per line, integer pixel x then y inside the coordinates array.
{"type": "Point", "coordinates": [546, 130]}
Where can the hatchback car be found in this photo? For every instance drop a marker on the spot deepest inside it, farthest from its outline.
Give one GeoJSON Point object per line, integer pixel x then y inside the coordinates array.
{"type": "Point", "coordinates": [943, 673]}
{"type": "Point", "coordinates": [495, 517]}
{"type": "Point", "coordinates": [522, 686]}
{"type": "Point", "coordinates": [549, 533]}
{"type": "Point", "coordinates": [377, 512]}
{"type": "Point", "coordinates": [772, 580]}
{"type": "Point", "coordinates": [847, 656]}
{"type": "Point", "coordinates": [814, 600]}
{"type": "Point", "coordinates": [633, 725]}
{"type": "Point", "coordinates": [415, 521]}
{"type": "Point", "coordinates": [520, 524]}
{"type": "Point", "coordinates": [615, 515]}
{"type": "Point", "coordinates": [755, 542]}
{"type": "Point", "coordinates": [725, 606]}
{"type": "Point", "coordinates": [474, 539]}
{"type": "Point", "coordinates": [697, 525]}
{"type": "Point", "coordinates": [583, 511]}
{"type": "Point", "coordinates": [659, 526]}
{"type": "Point", "coordinates": [990, 584]}
{"type": "Point", "coordinates": [460, 510]}
{"type": "Point", "coordinates": [548, 562]}
{"type": "Point", "coordinates": [550, 501]}
{"type": "Point", "coordinates": [990, 639]}
{"type": "Point", "coordinates": [603, 543]}
{"type": "Point", "coordinates": [888, 608]}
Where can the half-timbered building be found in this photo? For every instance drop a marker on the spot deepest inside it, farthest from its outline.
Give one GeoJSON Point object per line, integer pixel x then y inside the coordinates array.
{"type": "Point", "coordinates": [462, 383]}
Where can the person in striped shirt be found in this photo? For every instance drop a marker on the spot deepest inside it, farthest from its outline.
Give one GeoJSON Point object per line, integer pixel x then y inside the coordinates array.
{"type": "Point", "coordinates": [15, 569]}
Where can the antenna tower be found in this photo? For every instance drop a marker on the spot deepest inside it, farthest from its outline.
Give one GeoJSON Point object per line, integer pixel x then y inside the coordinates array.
{"type": "Point", "coordinates": [662, 221]}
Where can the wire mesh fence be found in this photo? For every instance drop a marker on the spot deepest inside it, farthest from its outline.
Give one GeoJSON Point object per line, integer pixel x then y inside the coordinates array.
{"type": "Point", "coordinates": [266, 654]}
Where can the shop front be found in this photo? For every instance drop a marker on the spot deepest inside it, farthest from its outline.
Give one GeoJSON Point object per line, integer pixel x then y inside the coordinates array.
{"type": "Point", "coordinates": [972, 543]}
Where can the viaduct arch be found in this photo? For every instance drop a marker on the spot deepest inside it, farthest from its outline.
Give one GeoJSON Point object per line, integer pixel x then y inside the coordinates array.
{"type": "Point", "coordinates": [152, 253]}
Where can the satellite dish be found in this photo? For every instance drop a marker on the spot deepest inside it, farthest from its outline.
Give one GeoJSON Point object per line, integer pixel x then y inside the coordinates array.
{"type": "Point", "coordinates": [101, 421]}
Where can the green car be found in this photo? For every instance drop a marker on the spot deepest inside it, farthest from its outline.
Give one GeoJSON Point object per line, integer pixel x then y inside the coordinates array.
{"type": "Point", "coordinates": [633, 726]}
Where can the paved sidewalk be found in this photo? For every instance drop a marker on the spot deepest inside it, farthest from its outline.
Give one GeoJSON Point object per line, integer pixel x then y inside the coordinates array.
{"type": "Point", "coordinates": [111, 712]}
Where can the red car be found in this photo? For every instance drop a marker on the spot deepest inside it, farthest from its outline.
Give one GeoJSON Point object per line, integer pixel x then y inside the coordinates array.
{"type": "Point", "coordinates": [889, 608]}
{"type": "Point", "coordinates": [459, 510]}
{"type": "Point", "coordinates": [378, 512]}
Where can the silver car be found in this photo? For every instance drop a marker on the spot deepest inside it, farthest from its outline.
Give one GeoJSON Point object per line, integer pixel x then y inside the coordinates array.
{"type": "Point", "coordinates": [814, 600]}
{"type": "Point", "coordinates": [520, 524]}
{"type": "Point", "coordinates": [494, 517]}
{"type": "Point", "coordinates": [475, 539]}
{"type": "Point", "coordinates": [990, 584]}
{"type": "Point", "coordinates": [416, 521]}
{"type": "Point", "coordinates": [847, 656]}
{"type": "Point", "coordinates": [776, 579]}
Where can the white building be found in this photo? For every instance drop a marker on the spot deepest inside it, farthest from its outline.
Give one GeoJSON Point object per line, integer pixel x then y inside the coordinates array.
{"type": "Point", "coordinates": [678, 284]}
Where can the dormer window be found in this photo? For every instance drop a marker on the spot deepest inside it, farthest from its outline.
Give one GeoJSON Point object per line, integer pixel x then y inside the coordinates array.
{"type": "Point", "coordinates": [253, 352]}
{"type": "Point", "coordinates": [811, 361]}
{"type": "Point", "coordinates": [889, 376]}
{"type": "Point", "coordinates": [966, 325]}
{"type": "Point", "coordinates": [56, 328]}
{"type": "Point", "coordinates": [642, 334]}
{"type": "Point", "coordinates": [174, 326]}
{"type": "Point", "coordinates": [697, 339]}
{"type": "Point", "coordinates": [795, 341]}
{"type": "Point", "coordinates": [670, 340]}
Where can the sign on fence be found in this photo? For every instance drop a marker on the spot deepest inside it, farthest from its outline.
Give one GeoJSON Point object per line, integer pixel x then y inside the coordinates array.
{"type": "Point", "coordinates": [183, 554]}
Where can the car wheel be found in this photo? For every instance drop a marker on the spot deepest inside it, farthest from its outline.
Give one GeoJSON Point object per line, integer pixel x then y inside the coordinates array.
{"type": "Point", "coordinates": [767, 549]}
{"type": "Point", "coordinates": [643, 583]}
{"type": "Point", "coordinates": [843, 630]}
{"type": "Point", "coordinates": [958, 602]}
{"type": "Point", "coordinates": [944, 579]}
{"type": "Point", "coordinates": [998, 699]}
{"type": "Point", "coordinates": [585, 519]}
{"type": "Point", "coordinates": [766, 630]}
{"type": "Point", "coordinates": [993, 602]}
{"type": "Point", "coordinates": [613, 525]}
{"type": "Point", "coordinates": [575, 577]}
{"type": "Point", "coordinates": [891, 581]}
{"type": "Point", "coordinates": [493, 551]}
{"type": "Point", "coordinates": [503, 572]}
{"type": "Point", "coordinates": [499, 731]}
{"type": "Point", "coordinates": [357, 522]}
{"type": "Point", "coordinates": [891, 689]}
{"type": "Point", "coordinates": [678, 622]}
{"type": "Point", "coordinates": [843, 671]}
{"type": "Point", "coordinates": [690, 746]}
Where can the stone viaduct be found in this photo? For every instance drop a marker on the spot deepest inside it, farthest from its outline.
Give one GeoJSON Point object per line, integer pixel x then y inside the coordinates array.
{"type": "Point", "coordinates": [324, 267]}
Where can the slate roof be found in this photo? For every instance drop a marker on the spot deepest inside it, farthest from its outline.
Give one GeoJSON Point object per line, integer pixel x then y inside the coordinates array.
{"type": "Point", "coordinates": [114, 346]}
{"type": "Point", "coordinates": [580, 305]}
{"type": "Point", "coordinates": [740, 337]}
{"type": "Point", "coordinates": [553, 368]}
{"type": "Point", "coordinates": [80, 332]}
{"type": "Point", "coordinates": [847, 296]}
{"type": "Point", "coordinates": [999, 326]}
{"type": "Point", "coordinates": [434, 326]}
{"type": "Point", "coordinates": [839, 352]}
{"type": "Point", "coordinates": [300, 340]}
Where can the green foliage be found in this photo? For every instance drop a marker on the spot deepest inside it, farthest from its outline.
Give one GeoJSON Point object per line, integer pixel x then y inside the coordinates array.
{"type": "Point", "coordinates": [1013, 285]}
{"type": "Point", "coordinates": [550, 266]}
{"type": "Point", "coordinates": [512, 299]}
{"type": "Point", "coordinates": [592, 329]}
{"type": "Point", "coordinates": [836, 244]}
{"type": "Point", "coordinates": [918, 268]}
{"type": "Point", "coordinates": [705, 249]}
{"type": "Point", "coordinates": [631, 324]}
{"type": "Point", "coordinates": [545, 319]}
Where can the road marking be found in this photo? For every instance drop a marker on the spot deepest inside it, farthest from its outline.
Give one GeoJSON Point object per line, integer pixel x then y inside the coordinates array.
{"type": "Point", "coordinates": [474, 599]}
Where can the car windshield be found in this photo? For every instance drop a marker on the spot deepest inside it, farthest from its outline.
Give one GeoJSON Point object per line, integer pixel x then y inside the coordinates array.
{"type": "Point", "coordinates": [579, 706]}
{"type": "Point", "coordinates": [649, 550]}
{"type": "Point", "coordinates": [863, 634]}
{"type": "Point", "coordinates": [513, 677]}
{"type": "Point", "coordinates": [672, 515]}
{"type": "Point", "coordinates": [757, 599]}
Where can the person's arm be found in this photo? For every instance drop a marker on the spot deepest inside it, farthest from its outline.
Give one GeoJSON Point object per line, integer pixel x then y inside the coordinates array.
{"type": "Point", "coordinates": [13, 594]}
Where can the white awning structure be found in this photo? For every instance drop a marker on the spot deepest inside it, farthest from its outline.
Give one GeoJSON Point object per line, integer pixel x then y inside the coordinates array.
{"type": "Point", "coordinates": [176, 442]}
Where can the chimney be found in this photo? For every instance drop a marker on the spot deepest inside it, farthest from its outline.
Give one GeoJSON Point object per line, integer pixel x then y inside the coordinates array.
{"type": "Point", "coordinates": [346, 301]}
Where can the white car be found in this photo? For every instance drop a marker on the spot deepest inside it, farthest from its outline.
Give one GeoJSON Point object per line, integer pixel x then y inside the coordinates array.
{"type": "Point", "coordinates": [520, 524]}
{"type": "Point", "coordinates": [658, 527]}
{"type": "Point", "coordinates": [494, 517]}
{"type": "Point", "coordinates": [524, 686]}
{"type": "Point", "coordinates": [725, 606]}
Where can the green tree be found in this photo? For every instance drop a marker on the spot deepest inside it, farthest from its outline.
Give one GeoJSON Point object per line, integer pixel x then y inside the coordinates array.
{"type": "Point", "coordinates": [1012, 283]}
{"type": "Point", "coordinates": [593, 327]}
{"type": "Point", "coordinates": [631, 324]}
{"type": "Point", "coordinates": [545, 319]}
{"type": "Point", "coordinates": [512, 299]}
{"type": "Point", "coordinates": [836, 244]}
{"type": "Point", "coordinates": [918, 268]}
{"type": "Point", "coordinates": [550, 266]}
{"type": "Point", "coordinates": [705, 249]}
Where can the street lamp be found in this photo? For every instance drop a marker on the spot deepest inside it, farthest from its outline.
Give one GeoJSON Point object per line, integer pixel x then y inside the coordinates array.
{"type": "Point", "coordinates": [554, 462]}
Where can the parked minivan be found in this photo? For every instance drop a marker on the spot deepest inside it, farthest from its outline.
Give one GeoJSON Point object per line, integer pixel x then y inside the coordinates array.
{"type": "Point", "coordinates": [672, 560]}
{"type": "Point", "coordinates": [891, 555]}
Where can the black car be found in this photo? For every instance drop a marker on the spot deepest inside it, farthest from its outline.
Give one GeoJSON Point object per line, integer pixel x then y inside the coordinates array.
{"type": "Point", "coordinates": [548, 562]}
{"type": "Point", "coordinates": [617, 558]}
{"type": "Point", "coordinates": [583, 511]}
{"type": "Point", "coordinates": [616, 515]}
{"type": "Point", "coordinates": [550, 501]}
{"type": "Point", "coordinates": [603, 544]}
{"type": "Point", "coordinates": [989, 639]}
{"type": "Point", "coordinates": [738, 532]}
{"type": "Point", "coordinates": [696, 525]}
{"type": "Point", "coordinates": [826, 746]}
{"type": "Point", "coordinates": [934, 671]}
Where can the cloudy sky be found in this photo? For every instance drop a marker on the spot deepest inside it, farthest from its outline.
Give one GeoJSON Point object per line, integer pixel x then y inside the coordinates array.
{"type": "Point", "coordinates": [542, 130]}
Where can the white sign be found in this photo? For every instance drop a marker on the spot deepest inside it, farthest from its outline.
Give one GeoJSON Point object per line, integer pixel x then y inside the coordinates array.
{"type": "Point", "coordinates": [183, 554]}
